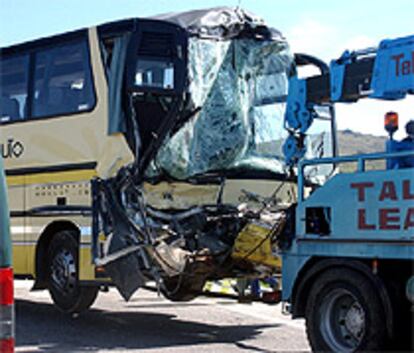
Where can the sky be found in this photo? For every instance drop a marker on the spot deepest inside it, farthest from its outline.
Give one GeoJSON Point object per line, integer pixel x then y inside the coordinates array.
{"type": "Point", "coordinates": [324, 28]}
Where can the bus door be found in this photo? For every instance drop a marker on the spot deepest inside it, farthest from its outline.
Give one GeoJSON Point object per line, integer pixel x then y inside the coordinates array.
{"type": "Point", "coordinates": [156, 78]}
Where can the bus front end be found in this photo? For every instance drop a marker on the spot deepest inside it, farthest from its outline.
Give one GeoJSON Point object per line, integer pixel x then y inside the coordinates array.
{"type": "Point", "coordinates": [207, 194]}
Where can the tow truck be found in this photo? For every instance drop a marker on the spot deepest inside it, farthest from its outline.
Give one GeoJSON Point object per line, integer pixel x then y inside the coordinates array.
{"type": "Point", "coordinates": [348, 250]}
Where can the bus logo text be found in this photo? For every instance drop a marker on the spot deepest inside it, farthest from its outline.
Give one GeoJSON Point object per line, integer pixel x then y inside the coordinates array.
{"type": "Point", "coordinates": [11, 149]}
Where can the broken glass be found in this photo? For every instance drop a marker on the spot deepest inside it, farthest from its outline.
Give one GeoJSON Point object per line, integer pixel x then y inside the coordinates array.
{"type": "Point", "coordinates": [240, 87]}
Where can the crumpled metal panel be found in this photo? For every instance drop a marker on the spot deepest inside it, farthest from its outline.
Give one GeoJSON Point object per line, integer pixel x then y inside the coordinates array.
{"type": "Point", "coordinates": [219, 22]}
{"type": "Point", "coordinates": [168, 195]}
{"type": "Point", "coordinates": [241, 88]}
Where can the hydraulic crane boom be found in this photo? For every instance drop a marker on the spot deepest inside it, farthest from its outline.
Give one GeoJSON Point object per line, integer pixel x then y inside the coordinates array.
{"type": "Point", "coordinates": [386, 72]}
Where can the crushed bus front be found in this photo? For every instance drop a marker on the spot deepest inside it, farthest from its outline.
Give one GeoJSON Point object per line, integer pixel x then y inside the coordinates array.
{"type": "Point", "coordinates": [207, 194]}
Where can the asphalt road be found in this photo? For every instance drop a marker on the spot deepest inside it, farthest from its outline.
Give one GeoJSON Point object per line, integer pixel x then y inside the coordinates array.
{"type": "Point", "coordinates": [149, 323]}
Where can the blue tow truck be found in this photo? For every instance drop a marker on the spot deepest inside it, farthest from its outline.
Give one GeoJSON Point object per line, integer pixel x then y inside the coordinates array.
{"type": "Point", "coordinates": [348, 257]}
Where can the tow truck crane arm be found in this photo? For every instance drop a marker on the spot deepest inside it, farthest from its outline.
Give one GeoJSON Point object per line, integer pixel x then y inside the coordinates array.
{"type": "Point", "coordinates": [385, 72]}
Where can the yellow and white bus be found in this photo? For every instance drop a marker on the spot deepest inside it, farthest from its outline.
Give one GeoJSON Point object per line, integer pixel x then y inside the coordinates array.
{"type": "Point", "coordinates": [53, 139]}
{"type": "Point", "coordinates": [147, 149]}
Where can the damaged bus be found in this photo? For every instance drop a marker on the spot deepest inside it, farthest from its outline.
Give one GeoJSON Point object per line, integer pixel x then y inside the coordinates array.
{"type": "Point", "coordinates": [151, 150]}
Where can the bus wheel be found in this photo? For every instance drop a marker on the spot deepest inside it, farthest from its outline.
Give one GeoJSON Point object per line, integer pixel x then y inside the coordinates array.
{"type": "Point", "coordinates": [344, 313]}
{"type": "Point", "coordinates": [182, 289]}
{"type": "Point", "coordinates": [63, 281]}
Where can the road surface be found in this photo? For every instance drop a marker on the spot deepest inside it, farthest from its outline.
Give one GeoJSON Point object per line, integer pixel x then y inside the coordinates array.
{"type": "Point", "coordinates": [149, 323]}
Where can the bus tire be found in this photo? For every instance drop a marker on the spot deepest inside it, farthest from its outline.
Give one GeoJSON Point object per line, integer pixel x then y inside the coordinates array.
{"type": "Point", "coordinates": [182, 289]}
{"type": "Point", "coordinates": [344, 313]}
{"type": "Point", "coordinates": [63, 271]}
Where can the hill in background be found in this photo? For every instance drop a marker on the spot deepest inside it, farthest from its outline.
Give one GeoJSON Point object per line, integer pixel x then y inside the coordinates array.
{"type": "Point", "coordinates": [351, 143]}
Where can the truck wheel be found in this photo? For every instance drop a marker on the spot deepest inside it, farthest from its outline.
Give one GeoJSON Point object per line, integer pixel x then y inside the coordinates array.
{"type": "Point", "coordinates": [63, 281]}
{"type": "Point", "coordinates": [344, 313]}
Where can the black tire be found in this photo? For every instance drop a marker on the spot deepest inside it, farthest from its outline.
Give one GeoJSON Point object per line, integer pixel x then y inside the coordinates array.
{"type": "Point", "coordinates": [63, 270]}
{"type": "Point", "coordinates": [402, 339]}
{"type": "Point", "coordinates": [182, 288]}
{"type": "Point", "coordinates": [344, 313]}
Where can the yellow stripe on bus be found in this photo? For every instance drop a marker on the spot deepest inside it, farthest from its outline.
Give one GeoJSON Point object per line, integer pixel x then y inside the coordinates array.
{"type": "Point", "coordinates": [54, 177]}
{"type": "Point", "coordinates": [24, 256]}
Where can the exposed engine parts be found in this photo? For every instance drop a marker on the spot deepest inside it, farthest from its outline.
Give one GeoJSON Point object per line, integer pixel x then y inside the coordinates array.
{"type": "Point", "coordinates": [204, 115]}
{"type": "Point", "coordinates": [180, 249]}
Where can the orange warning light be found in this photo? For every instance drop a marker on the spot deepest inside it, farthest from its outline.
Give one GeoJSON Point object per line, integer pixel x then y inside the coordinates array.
{"type": "Point", "coordinates": [391, 122]}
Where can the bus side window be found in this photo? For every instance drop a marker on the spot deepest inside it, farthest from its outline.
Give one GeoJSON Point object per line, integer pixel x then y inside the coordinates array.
{"type": "Point", "coordinates": [14, 83]}
{"type": "Point", "coordinates": [62, 80]}
{"type": "Point", "coordinates": [154, 67]}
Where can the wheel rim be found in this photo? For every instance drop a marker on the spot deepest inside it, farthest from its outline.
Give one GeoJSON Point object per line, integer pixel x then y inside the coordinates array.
{"type": "Point", "coordinates": [342, 321]}
{"type": "Point", "coordinates": [63, 272]}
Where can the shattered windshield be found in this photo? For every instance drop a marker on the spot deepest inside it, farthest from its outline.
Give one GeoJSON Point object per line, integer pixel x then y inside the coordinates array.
{"type": "Point", "coordinates": [240, 88]}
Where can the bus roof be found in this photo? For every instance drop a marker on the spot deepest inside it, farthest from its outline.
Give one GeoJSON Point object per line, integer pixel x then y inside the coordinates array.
{"type": "Point", "coordinates": [218, 22]}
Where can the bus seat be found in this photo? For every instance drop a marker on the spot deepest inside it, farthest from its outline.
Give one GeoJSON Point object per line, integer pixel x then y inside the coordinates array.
{"type": "Point", "coordinates": [47, 102]}
{"type": "Point", "coordinates": [9, 109]}
{"type": "Point", "coordinates": [58, 100]}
